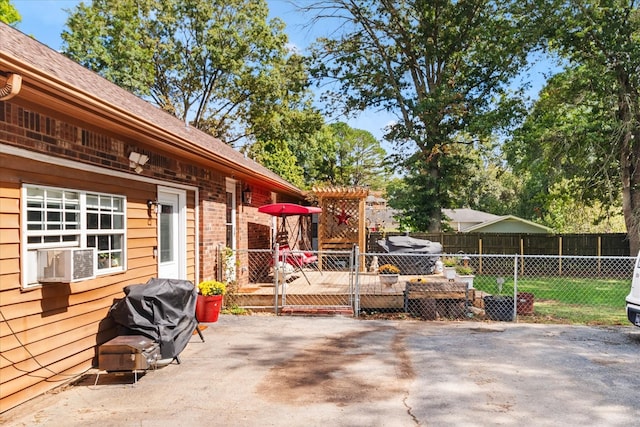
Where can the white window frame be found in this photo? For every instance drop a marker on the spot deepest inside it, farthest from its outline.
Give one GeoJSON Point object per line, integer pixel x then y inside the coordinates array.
{"type": "Point", "coordinates": [82, 233]}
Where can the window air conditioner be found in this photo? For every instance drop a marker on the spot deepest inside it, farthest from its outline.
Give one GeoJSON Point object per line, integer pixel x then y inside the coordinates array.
{"type": "Point", "coordinates": [66, 265]}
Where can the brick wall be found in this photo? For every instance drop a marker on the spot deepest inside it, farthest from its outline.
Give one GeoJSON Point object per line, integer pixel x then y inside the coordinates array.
{"type": "Point", "coordinates": [38, 132]}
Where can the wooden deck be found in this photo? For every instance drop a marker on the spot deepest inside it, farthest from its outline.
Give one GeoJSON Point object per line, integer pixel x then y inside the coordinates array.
{"type": "Point", "coordinates": [332, 288]}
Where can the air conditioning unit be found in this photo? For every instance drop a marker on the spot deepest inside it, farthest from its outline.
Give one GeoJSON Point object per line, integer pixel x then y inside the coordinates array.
{"type": "Point", "coordinates": [66, 265]}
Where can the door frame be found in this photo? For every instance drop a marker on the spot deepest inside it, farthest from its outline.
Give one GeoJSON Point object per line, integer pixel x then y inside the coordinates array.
{"type": "Point", "coordinates": [181, 232]}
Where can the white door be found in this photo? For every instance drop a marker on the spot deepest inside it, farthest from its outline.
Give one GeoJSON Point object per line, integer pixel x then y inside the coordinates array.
{"type": "Point", "coordinates": [230, 224]}
{"type": "Point", "coordinates": [172, 230]}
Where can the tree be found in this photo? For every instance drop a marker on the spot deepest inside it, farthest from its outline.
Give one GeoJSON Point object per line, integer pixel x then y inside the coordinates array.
{"type": "Point", "coordinates": [218, 64]}
{"type": "Point", "coordinates": [352, 157]}
{"type": "Point", "coordinates": [8, 13]}
{"type": "Point", "coordinates": [563, 154]}
{"type": "Point", "coordinates": [442, 66]}
{"type": "Point", "coordinates": [460, 184]}
{"type": "Point", "coordinates": [601, 39]}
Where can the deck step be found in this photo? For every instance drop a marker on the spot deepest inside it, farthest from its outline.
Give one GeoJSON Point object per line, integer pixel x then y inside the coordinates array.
{"type": "Point", "coordinates": [317, 310]}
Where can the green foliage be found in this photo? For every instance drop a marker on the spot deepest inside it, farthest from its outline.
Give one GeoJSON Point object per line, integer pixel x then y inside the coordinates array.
{"type": "Point", "coordinates": [235, 310]}
{"type": "Point", "coordinates": [343, 156]}
{"type": "Point", "coordinates": [277, 156]}
{"type": "Point", "coordinates": [219, 64]}
{"type": "Point", "coordinates": [464, 271]}
{"type": "Point", "coordinates": [443, 67]}
{"type": "Point", "coordinates": [8, 13]}
{"type": "Point", "coordinates": [564, 154]}
{"type": "Point", "coordinates": [449, 262]}
{"type": "Point", "coordinates": [599, 122]}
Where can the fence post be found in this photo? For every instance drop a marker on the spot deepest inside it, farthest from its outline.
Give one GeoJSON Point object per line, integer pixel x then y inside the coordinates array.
{"type": "Point", "coordinates": [276, 277]}
{"type": "Point", "coordinates": [522, 254]}
{"type": "Point", "coordinates": [356, 289]}
{"type": "Point", "coordinates": [599, 252]}
{"type": "Point", "coordinates": [480, 255]}
{"type": "Point", "coordinates": [515, 288]}
{"type": "Point", "coordinates": [560, 255]}
{"type": "Point", "coordinates": [220, 272]}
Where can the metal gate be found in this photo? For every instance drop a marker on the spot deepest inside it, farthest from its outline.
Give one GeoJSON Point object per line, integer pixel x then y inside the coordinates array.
{"type": "Point", "coordinates": [309, 282]}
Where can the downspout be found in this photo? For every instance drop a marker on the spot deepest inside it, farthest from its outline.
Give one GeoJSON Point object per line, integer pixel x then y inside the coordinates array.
{"type": "Point", "coordinates": [11, 87]}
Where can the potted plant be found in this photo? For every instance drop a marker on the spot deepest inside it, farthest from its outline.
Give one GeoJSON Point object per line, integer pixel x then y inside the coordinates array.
{"type": "Point", "coordinates": [449, 264]}
{"type": "Point", "coordinates": [465, 274]}
{"type": "Point", "coordinates": [388, 274]}
{"type": "Point", "coordinates": [209, 302]}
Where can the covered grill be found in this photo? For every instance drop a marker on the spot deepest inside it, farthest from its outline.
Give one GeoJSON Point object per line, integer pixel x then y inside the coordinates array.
{"type": "Point", "coordinates": [405, 245]}
{"type": "Point", "coordinates": [162, 310]}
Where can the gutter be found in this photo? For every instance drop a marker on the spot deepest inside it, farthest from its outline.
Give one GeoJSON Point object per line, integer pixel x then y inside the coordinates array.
{"type": "Point", "coordinates": [39, 83]}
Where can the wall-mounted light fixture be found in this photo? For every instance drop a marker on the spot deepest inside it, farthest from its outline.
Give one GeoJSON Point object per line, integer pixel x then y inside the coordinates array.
{"type": "Point", "coordinates": [152, 206]}
{"type": "Point", "coordinates": [246, 195]}
{"type": "Point", "coordinates": [137, 160]}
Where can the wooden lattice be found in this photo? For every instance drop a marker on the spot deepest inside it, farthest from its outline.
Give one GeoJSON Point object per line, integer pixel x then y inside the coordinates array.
{"type": "Point", "coordinates": [341, 219]}
{"type": "Point", "coordinates": [342, 222]}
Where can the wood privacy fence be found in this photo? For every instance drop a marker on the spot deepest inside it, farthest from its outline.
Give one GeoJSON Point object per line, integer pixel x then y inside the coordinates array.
{"type": "Point", "coordinates": [516, 243]}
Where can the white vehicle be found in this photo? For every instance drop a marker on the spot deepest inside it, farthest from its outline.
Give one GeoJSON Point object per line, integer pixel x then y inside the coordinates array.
{"type": "Point", "coordinates": [633, 299]}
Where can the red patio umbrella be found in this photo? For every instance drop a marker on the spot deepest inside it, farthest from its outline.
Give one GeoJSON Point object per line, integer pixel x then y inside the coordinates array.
{"type": "Point", "coordinates": [284, 209]}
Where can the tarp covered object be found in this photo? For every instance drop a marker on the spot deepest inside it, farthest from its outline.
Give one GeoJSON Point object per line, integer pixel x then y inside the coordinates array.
{"type": "Point", "coordinates": [410, 244]}
{"type": "Point", "coordinates": [162, 309]}
{"type": "Point", "coordinates": [405, 245]}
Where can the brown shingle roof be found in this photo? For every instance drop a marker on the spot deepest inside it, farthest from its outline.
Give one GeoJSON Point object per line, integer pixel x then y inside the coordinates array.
{"type": "Point", "coordinates": [38, 61]}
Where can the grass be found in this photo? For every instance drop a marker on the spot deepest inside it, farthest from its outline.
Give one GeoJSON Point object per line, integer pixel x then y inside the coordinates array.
{"type": "Point", "coordinates": [568, 300]}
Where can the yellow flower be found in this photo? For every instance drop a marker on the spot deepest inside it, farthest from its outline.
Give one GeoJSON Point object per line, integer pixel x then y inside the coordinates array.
{"type": "Point", "coordinates": [212, 287]}
{"type": "Point", "coordinates": [388, 269]}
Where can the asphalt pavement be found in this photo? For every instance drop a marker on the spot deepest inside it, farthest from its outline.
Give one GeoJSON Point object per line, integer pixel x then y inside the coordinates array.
{"type": "Point", "coordinates": [302, 371]}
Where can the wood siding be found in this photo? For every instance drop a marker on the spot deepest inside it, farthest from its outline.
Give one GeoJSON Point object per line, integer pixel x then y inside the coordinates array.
{"type": "Point", "coordinates": [49, 334]}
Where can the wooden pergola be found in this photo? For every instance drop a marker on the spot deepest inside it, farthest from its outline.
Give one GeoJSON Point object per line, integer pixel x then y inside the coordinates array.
{"type": "Point", "coordinates": [342, 223]}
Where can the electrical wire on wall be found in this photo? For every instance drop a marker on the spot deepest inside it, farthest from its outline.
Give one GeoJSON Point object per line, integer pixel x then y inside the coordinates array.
{"type": "Point", "coordinates": [3, 355]}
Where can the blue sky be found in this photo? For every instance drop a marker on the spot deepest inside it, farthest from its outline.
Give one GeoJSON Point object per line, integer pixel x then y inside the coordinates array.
{"type": "Point", "coordinates": [45, 20]}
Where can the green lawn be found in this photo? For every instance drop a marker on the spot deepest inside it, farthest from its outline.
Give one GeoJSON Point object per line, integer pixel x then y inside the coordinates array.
{"type": "Point", "coordinates": [568, 300]}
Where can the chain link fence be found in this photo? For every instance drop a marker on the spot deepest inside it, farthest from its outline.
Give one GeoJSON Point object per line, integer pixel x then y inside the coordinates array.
{"type": "Point", "coordinates": [580, 290]}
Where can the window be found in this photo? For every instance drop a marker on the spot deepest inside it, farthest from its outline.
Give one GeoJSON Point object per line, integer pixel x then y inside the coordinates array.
{"type": "Point", "coordinates": [105, 229]}
{"type": "Point", "coordinates": [57, 218]}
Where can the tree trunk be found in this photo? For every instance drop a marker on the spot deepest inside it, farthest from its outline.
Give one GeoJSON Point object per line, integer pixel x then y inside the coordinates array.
{"type": "Point", "coordinates": [629, 116]}
{"type": "Point", "coordinates": [435, 226]}
{"type": "Point", "coordinates": [630, 168]}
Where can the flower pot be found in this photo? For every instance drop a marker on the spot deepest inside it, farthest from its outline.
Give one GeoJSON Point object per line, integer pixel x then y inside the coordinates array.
{"type": "Point", "coordinates": [525, 303]}
{"type": "Point", "coordinates": [498, 307]}
{"type": "Point", "coordinates": [449, 273]}
{"type": "Point", "coordinates": [388, 279]}
{"type": "Point", "coordinates": [468, 279]}
{"type": "Point", "coordinates": [208, 308]}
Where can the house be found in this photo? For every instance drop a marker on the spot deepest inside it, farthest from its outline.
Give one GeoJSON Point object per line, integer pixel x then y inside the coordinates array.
{"type": "Point", "coordinates": [99, 190]}
{"type": "Point", "coordinates": [473, 221]}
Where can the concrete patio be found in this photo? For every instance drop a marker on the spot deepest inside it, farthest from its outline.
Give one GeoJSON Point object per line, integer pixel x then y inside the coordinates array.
{"type": "Point", "coordinates": [264, 370]}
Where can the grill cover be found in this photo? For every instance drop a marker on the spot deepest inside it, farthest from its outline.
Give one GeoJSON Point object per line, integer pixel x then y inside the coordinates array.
{"type": "Point", "coordinates": [162, 309]}
{"type": "Point", "coordinates": [409, 244]}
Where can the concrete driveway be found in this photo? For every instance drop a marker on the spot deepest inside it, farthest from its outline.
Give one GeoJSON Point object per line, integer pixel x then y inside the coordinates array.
{"type": "Point", "coordinates": [296, 371]}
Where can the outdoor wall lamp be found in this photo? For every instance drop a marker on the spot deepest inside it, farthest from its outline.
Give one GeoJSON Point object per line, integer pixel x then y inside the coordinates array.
{"type": "Point", "coordinates": [152, 205]}
{"type": "Point", "coordinates": [247, 195]}
{"type": "Point", "coordinates": [137, 160]}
